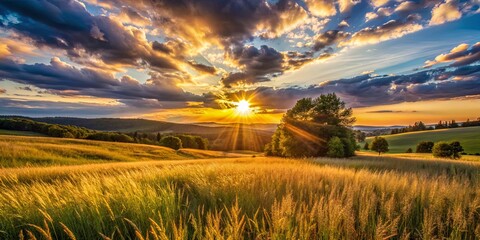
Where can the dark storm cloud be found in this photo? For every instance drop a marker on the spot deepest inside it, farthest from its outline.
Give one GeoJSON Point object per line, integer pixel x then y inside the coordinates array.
{"type": "Point", "coordinates": [368, 90]}
{"type": "Point", "coordinates": [258, 65]}
{"type": "Point", "coordinates": [67, 25]}
{"type": "Point", "coordinates": [261, 64]}
{"type": "Point", "coordinates": [225, 22]}
{"type": "Point", "coordinates": [62, 79]}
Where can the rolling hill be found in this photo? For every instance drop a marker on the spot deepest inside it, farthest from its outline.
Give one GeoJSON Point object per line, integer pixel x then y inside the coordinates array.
{"type": "Point", "coordinates": [223, 137]}
{"type": "Point", "coordinates": [19, 151]}
{"type": "Point", "coordinates": [469, 137]}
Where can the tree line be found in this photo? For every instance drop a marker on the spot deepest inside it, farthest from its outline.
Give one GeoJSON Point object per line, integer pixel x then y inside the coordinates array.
{"type": "Point", "coordinates": [420, 126]}
{"type": "Point", "coordinates": [175, 141]}
{"type": "Point", "coordinates": [452, 150]}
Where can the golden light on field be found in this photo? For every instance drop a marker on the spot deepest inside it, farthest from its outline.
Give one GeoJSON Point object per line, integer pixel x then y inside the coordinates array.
{"type": "Point", "coordinates": [243, 107]}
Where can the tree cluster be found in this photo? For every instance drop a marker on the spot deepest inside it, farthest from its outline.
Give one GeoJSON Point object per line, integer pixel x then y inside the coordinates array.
{"type": "Point", "coordinates": [417, 126]}
{"type": "Point", "coordinates": [446, 124]}
{"type": "Point", "coordinates": [53, 130]}
{"type": "Point", "coordinates": [473, 123]}
{"type": "Point", "coordinates": [315, 127]}
{"type": "Point", "coordinates": [69, 131]}
{"type": "Point", "coordinates": [447, 150]}
{"type": "Point", "coordinates": [186, 140]}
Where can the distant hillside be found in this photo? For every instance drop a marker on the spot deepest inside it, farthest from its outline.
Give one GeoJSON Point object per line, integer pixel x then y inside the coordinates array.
{"type": "Point", "coordinates": [469, 137]}
{"type": "Point", "coordinates": [221, 136]}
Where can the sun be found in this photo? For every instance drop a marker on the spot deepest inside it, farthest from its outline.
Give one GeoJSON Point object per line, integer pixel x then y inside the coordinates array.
{"type": "Point", "coordinates": [243, 107]}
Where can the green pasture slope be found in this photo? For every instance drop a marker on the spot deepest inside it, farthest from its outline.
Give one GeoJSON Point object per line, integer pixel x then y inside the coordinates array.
{"type": "Point", "coordinates": [19, 133]}
{"type": "Point", "coordinates": [469, 137]}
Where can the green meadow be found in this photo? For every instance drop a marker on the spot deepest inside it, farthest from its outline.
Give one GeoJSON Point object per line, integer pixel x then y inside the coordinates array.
{"type": "Point", "coordinates": [469, 137]}
{"type": "Point", "coordinates": [77, 189]}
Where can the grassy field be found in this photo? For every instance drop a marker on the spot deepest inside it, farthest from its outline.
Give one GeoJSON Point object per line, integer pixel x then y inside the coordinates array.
{"type": "Point", "coordinates": [469, 137]}
{"type": "Point", "coordinates": [366, 197]}
{"type": "Point", "coordinates": [18, 151]}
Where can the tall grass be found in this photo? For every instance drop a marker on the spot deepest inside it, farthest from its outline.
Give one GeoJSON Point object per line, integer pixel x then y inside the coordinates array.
{"type": "Point", "coordinates": [254, 198]}
{"type": "Point", "coordinates": [19, 151]}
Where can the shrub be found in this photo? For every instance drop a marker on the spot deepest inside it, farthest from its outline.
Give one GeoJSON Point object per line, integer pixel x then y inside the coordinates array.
{"type": "Point", "coordinates": [442, 149]}
{"type": "Point", "coordinates": [380, 145]}
{"type": "Point", "coordinates": [335, 148]}
{"type": "Point", "coordinates": [424, 147]}
{"type": "Point", "coordinates": [171, 142]}
{"type": "Point", "coordinates": [409, 150]}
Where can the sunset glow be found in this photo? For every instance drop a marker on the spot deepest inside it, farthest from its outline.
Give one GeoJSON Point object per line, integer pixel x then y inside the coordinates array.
{"type": "Point", "coordinates": [236, 61]}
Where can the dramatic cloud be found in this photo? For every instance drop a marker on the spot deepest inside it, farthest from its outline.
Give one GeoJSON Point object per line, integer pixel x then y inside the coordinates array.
{"type": "Point", "coordinates": [261, 64]}
{"type": "Point", "coordinates": [67, 25]}
{"type": "Point", "coordinates": [155, 53]}
{"type": "Point", "coordinates": [390, 30]}
{"type": "Point", "coordinates": [445, 12]}
{"type": "Point", "coordinates": [218, 21]}
{"type": "Point", "coordinates": [63, 79]}
{"type": "Point", "coordinates": [257, 64]}
{"type": "Point", "coordinates": [3, 91]}
{"type": "Point", "coordinates": [368, 90]}
{"type": "Point", "coordinates": [459, 56]}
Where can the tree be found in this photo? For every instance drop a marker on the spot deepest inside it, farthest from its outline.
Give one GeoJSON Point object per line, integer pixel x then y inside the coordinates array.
{"type": "Point", "coordinates": [424, 147]}
{"type": "Point", "coordinates": [171, 142]}
{"type": "Point", "coordinates": [442, 149]}
{"type": "Point", "coordinates": [306, 128]}
{"type": "Point", "coordinates": [335, 148]}
{"type": "Point", "coordinates": [456, 149]}
{"type": "Point", "coordinates": [159, 137]}
{"type": "Point", "coordinates": [409, 150]}
{"type": "Point", "coordinates": [379, 145]}
{"type": "Point", "coordinates": [366, 146]}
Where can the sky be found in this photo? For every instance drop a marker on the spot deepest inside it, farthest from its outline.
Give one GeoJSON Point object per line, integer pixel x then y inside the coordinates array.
{"type": "Point", "coordinates": [394, 62]}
